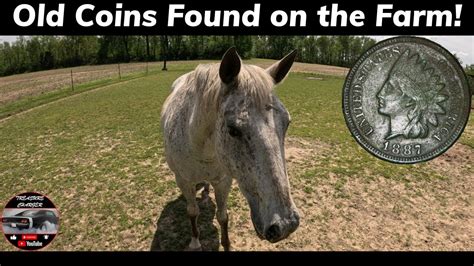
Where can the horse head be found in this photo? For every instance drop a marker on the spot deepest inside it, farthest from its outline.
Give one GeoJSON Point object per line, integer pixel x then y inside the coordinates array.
{"type": "Point", "coordinates": [251, 127]}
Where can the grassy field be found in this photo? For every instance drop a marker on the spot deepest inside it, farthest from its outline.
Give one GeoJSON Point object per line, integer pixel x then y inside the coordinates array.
{"type": "Point", "coordinates": [23, 92]}
{"type": "Point", "coordinates": [26, 91]}
{"type": "Point", "coordinates": [99, 156]}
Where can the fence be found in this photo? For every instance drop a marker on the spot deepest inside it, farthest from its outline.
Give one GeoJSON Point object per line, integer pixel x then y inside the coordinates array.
{"type": "Point", "coordinates": [13, 88]}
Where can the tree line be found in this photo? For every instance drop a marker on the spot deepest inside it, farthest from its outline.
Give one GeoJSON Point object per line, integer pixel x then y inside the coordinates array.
{"type": "Point", "coordinates": [36, 53]}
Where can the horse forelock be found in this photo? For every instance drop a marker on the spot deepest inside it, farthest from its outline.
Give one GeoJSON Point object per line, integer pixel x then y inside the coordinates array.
{"type": "Point", "coordinates": [252, 81]}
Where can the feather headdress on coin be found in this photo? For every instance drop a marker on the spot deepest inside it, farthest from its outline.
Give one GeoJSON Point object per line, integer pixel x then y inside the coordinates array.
{"type": "Point", "coordinates": [419, 82]}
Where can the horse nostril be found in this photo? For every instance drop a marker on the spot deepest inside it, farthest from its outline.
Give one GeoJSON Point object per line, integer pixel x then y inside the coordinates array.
{"type": "Point", "coordinates": [294, 222]}
{"type": "Point", "coordinates": [273, 233]}
{"type": "Point", "coordinates": [296, 217]}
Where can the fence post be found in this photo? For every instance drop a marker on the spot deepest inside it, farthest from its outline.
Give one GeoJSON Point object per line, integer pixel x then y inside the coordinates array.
{"type": "Point", "coordinates": [120, 74]}
{"type": "Point", "coordinates": [72, 81]}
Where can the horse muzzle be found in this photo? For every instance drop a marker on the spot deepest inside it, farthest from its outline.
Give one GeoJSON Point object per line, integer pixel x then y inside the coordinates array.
{"type": "Point", "coordinates": [282, 228]}
{"type": "Point", "coordinates": [279, 229]}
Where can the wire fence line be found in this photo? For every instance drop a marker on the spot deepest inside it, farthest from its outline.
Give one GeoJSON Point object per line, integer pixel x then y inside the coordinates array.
{"type": "Point", "coordinates": [16, 87]}
{"type": "Point", "coordinates": [24, 86]}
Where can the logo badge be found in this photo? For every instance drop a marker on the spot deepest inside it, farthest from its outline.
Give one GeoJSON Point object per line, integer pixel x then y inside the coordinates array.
{"type": "Point", "coordinates": [30, 221]}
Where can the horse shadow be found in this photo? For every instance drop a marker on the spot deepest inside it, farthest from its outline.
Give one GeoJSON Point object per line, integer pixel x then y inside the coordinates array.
{"type": "Point", "coordinates": [173, 231]}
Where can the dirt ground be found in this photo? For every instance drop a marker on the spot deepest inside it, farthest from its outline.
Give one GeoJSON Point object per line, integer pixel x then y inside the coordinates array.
{"type": "Point", "coordinates": [375, 213]}
{"type": "Point", "coordinates": [385, 214]}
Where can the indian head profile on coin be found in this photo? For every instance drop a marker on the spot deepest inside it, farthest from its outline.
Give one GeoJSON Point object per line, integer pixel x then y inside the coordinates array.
{"type": "Point", "coordinates": [406, 100]}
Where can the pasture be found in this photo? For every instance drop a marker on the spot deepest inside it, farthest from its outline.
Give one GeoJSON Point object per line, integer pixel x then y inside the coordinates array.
{"type": "Point", "coordinates": [98, 155]}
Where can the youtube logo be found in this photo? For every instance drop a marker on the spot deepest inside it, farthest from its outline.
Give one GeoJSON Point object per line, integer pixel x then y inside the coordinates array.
{"type": "Point", "coordinates": [21, 243]}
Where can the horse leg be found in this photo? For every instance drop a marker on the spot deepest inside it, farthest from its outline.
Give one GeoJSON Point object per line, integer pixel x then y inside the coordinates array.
{"type": "Point", "coordinates": [205, 193]}
{"type": "Point", "coordinates": [221, 191]}
{"type": "Point", "coordinates": [192, 208]}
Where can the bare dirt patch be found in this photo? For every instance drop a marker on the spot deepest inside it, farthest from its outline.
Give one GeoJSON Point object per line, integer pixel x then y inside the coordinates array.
{"type": "Point", "coordinates": [376, 213]}
{"type": "Point", "coordinates": [457, 161]}
{"type": "Point", "coordinates": [386, 214]}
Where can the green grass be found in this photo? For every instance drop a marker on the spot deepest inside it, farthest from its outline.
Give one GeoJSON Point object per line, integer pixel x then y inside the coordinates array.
{"type": "Point", "coordinates": [315, 107]}
{"type": "Point", "coordinates": [99, 157]}
{"type": "Point", "coordinates": [84, 150]}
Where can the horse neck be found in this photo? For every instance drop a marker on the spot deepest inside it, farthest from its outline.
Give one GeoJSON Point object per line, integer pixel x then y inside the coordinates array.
{"type": "Point", "coordinates": [202, 126]}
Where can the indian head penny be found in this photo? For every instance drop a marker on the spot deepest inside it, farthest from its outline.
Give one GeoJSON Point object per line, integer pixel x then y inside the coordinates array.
{"type": "Point", "coordinates": [406, 100]}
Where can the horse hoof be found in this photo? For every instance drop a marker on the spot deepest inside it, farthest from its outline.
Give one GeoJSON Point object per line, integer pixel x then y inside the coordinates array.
{"type": "Point", "coordinates": [205, 200]}
{"type": "Point", "coordinates": [193, 248]}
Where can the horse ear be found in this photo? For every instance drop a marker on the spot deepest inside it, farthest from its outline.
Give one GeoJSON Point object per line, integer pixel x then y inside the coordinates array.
{"type": "Point", "coordinates": [279, 70]}
{"type": "Point", "coordinates": [230, 66]}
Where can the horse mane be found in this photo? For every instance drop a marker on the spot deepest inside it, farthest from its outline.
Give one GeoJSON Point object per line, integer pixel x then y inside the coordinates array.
{"type": "Point", "coordinates": [256, 84]}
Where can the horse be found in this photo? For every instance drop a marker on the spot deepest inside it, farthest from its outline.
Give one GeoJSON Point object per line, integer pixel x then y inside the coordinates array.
{"type": "Point", "coordinates": [223, 121]}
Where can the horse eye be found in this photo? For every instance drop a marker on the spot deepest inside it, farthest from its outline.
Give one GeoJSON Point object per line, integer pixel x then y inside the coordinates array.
{"type": "Point", "coordinates": [234, 131]}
